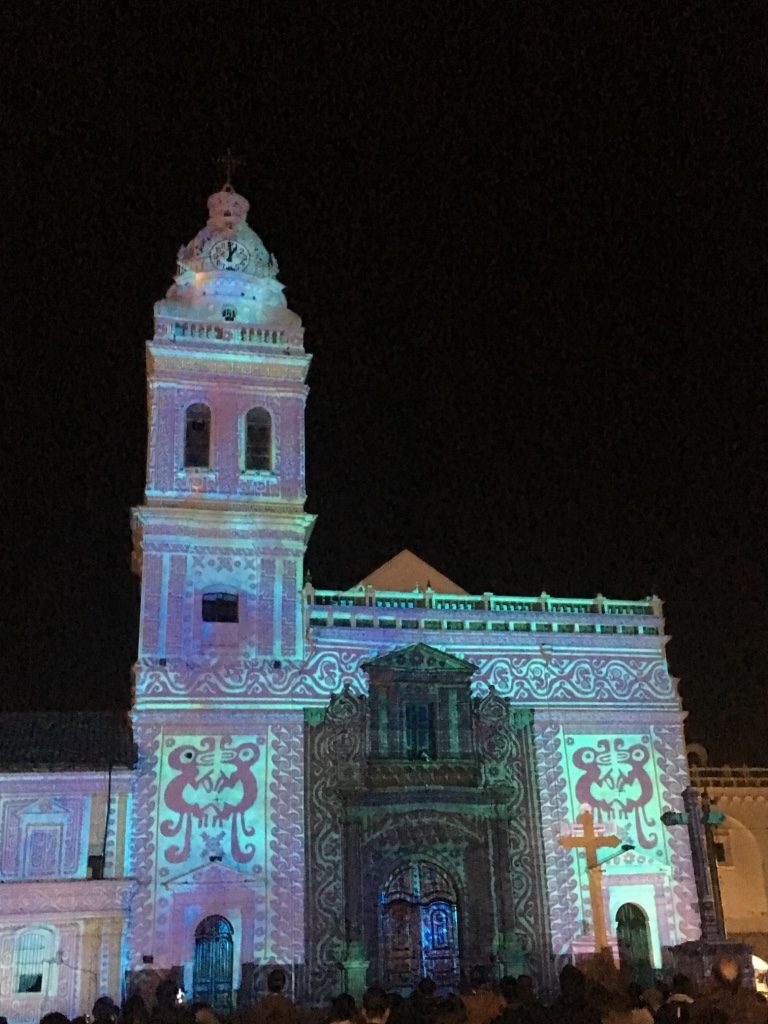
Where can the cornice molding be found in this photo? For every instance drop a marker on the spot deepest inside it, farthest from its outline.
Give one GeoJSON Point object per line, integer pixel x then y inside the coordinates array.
{"type": "Point", "coordinates": [107, 896]}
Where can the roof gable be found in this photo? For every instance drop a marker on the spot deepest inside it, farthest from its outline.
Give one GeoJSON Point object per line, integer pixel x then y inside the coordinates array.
{"type": "Point", "coordinates": [407, 572]}
{"type": "Point", "coordinates": [65, 740]}
{"type": "Point", "coordinates": [420, 658]}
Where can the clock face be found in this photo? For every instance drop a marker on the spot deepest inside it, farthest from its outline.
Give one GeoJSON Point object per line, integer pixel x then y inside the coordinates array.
{"type": "Point", "coordinates": [228, 254]}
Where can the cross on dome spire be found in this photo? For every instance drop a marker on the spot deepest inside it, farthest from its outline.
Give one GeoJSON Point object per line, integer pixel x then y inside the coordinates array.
{"type": "Point", "coordinates": [229, 163]}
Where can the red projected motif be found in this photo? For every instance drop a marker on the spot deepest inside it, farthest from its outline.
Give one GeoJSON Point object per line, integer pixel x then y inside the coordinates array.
{"type": "Point", "coordinates": [616, 784]}
{"type": "Point", "coordinates": [215, 785]}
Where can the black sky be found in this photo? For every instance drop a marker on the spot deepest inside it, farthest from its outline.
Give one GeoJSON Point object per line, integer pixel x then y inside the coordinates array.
{"type": "Point", "coordinates": [529, 246]}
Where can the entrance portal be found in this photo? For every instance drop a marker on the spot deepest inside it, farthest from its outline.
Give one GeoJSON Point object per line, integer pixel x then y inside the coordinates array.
{"type": "Point", "coordinates": [634, 941]}
{"type": "Point", "coordinates": [419, 927]}
{"type": "Point", "coordinates": [212, 979]}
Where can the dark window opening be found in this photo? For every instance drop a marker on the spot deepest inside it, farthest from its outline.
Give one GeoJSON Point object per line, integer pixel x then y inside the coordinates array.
{"type": "Point", "coordinates": [720, 853]}
{"type": "Point", "coordinates": [419, 732]}
{"type": "Point", "coordinates": [197, 437]}
{"type": "Point", "coordinates": [30, 983]}
{"type": "Point", "coordinates": [258, 440]}
{"type": "Point", "coordinates": [220, 608]}
{"type": "Point", "coordinates": [95, 866]}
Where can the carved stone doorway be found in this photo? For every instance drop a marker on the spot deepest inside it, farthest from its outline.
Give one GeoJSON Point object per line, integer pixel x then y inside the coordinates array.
{"type": "Point", "coordinates": [634, 941]}
{"type": "Point", "coordinates": [419, 927]}
{"type": "Point", "coordinates": [212, 978]}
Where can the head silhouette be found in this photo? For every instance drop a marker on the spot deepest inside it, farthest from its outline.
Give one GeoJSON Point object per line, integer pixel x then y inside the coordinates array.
{"type": "Point", "coordinates": [375, 1005]}
{"type": "Point", "coordinates": [572, 984]}
{"type": "Point", "coordinates": [726, 973]}
{"type": "Point", "coordinates": [276, 980]}
{"type": "Point", "coordinates": [342, 1008]}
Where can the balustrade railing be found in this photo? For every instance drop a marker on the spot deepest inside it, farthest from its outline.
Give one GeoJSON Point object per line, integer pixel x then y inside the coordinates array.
{"type": "Point", "coordinates": [366, 607]}
{"type": "Point", "coordinates": [728, 777]}
{"type": "Point", "coordinates": [202, 330]}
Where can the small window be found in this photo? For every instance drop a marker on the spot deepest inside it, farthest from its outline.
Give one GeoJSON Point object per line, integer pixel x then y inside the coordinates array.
{"type": "Point", "coordinates": [258, 440]}
{"type": "Point", "coordinates": [95, 866]}
{"type": "Point", "coordinates": [197, 437]}
{"type": "Point", "coordinates": [220, 607]}
{"type": "Point", "coordinates": [721, 842]}
{"type": "Point", "coordinates": [419, 732]}
{"type": "Point", "coordinates": [32, 950]}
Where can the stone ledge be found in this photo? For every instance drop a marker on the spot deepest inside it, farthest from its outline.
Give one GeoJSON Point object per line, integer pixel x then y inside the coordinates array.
{"type": "Point", "coordinates": [73, 896]}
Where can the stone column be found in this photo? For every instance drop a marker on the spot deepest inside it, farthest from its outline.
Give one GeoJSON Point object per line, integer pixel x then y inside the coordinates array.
{"type": "Point", "coordinates": [111, 935]}
{"type": "Point", "coordinates": [355, 965]}
{"type": "Point", "coordinates": [90, 966]}
{"type": "Point", "coordinates": [711, 928]}
{"type": "Point", "coordinates": [353, 882]}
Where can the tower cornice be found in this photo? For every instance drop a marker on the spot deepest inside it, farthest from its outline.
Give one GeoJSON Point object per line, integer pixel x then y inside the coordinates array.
{"type": "Point", "coordinates": [229, 522]}
{"type": "Point", "coordinates": [194, 359]}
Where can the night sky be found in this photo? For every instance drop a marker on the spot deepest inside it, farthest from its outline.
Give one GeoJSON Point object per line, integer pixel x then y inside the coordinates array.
{"type": "Point", "coordinates": [528, 244]}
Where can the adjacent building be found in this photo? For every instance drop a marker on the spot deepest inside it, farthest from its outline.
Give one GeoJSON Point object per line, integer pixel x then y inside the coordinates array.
{"type": "Point", "coordinates": [740, 847]}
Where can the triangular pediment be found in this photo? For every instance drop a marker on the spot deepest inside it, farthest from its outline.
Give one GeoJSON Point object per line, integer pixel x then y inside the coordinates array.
{"type": "Point", "coordinates": [406, 573]}
{"type": "Point", "coordinates": [419, 658]}
{"type": "Point", "coordinates": [215, 874]}
{"type": "Point", "coordinates": [46, 805]}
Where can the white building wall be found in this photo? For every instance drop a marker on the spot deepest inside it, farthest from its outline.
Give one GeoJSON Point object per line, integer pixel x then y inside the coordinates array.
{"type": "Point", "coordinates": [742, 795]}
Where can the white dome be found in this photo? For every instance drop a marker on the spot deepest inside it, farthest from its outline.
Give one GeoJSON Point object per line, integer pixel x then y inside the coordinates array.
{"type": "Point", "coordinates": [227, 273]}
{"type": "Point", "coordinates": [227, 242]}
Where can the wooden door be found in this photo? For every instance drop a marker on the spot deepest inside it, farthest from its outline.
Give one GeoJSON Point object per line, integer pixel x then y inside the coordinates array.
{"type": "Point", "coordinates": [212, 980]}
{"type": "Point", "coordinates": [419, 927]}
{"type": "Point", "coordinates": [439, 943]}
{"type": "Point", "coordinates": [634, 942]}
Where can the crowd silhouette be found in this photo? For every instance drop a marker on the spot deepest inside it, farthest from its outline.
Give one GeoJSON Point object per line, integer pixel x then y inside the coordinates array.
{"type": "Point", "coordinates": [585, 997]}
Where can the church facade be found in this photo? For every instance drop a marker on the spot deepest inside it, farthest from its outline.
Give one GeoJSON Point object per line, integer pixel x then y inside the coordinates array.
{"type": "Point", "coordinates": [369, 784]}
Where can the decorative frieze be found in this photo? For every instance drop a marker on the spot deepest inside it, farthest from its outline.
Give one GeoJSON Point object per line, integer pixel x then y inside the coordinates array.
{"type": "Point", "coordinates": [525, 678]}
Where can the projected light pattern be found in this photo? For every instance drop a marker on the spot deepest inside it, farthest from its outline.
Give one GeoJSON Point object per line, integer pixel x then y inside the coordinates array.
{"type": "Point", "coordinates": [615, 783]}
{"type": "Point", "coordinates": [220, 831]}
{"type": "Point", "coordinates": [625, 780]}
{"type": "Point", "coordinates": [212, 798]}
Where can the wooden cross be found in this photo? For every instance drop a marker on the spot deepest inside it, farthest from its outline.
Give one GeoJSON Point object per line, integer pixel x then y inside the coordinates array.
{"type": "Point", "coordinates": [590, 842]}
{"type": "Point", "coordinates": [229, 163]}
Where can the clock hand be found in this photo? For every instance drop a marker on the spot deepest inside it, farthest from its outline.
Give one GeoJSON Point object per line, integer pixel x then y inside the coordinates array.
{"type": "Point", "coordinates": [231, 246]}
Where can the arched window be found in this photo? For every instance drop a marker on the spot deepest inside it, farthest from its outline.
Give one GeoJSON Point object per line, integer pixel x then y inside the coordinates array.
{"type": "Point", "coordinates": [32, 954]}
{"type": "Point", "coordinates": [258, 439]}
{"type": "Point", "coordinates": [197, 437]}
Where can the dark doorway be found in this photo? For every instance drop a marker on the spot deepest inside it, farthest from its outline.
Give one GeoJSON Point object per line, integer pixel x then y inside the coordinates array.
{"type": "Point", "coordinates": [634, 941]}
{"type": "Point", "coordinates": [212, 981]}
{"type": "Point", "coordinates": [419, 927]}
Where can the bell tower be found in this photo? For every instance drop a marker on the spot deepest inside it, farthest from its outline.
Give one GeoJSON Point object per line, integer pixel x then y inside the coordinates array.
{"type": "Point", "coordinates": [217, 814]}
{"type": "Point", "coordinates": [220, 539]}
